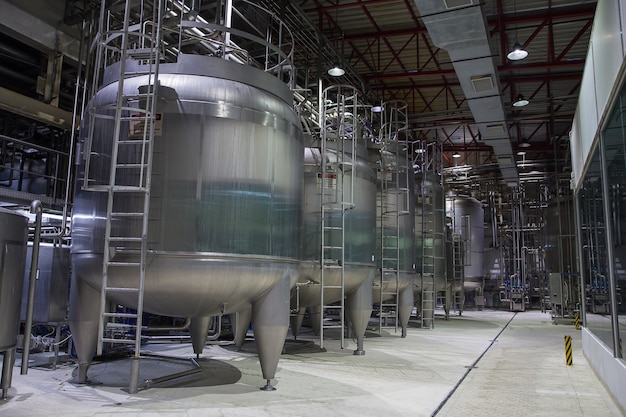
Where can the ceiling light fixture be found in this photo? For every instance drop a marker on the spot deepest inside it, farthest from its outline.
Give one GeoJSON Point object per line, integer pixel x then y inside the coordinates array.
{"type": "Point", "coordinates": [521, 101]}
{"type": "Point", "coordinates": [518, 51]}
{"type": "Point", "coordinates": [524, 144]}
{"type": "Point", "coordinates": [456, 155]}
{"type": "Point", "coordinates": [336, 70]}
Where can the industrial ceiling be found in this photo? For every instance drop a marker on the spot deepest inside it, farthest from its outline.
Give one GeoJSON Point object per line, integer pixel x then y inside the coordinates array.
{"type": "Point", "coordinates": [446, 58]}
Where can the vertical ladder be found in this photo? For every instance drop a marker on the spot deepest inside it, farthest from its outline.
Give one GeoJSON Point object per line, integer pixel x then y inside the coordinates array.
{"type": "Point", "coordinates": [130, 170]}
{"type": "Point", "coordinates": [427, 273]}
{"type": "Point", "coordinates": [336, 197]}
{"type": "Point", "coordinates": [458, 273]}
{"type": "Point", "coordinates": [394, 203]}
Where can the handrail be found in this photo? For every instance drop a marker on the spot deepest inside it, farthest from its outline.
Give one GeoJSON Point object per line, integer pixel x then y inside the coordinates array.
{"type": "Point", "coordinates": [278, 44]}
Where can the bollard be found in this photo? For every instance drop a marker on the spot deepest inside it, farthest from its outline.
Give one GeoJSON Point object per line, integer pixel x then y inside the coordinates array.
{"type": "Point", "coordinates": [577, 321]}
{"type": "Point", "coordinates": [568, 350]}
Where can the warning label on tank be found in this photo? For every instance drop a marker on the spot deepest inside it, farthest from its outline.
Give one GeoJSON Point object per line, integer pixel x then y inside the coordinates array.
{"type": "Point", "coordinates": [327, 180]}
{"type": "Point", "coordinates": [142, 124]}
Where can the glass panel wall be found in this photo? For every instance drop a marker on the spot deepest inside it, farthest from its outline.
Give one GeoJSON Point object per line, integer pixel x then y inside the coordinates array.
{"type": "Point", "coordinates": [595, 267]}
{"type": "Point", "coordinates": [615, 151]}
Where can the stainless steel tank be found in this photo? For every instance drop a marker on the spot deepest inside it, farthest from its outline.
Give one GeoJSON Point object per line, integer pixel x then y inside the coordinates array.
{"type": "Point", "coordinates": [225, 205]}
{"type": "Point", "coordinates": [13, 238]}
{"type": "Point", "coordinates": [430, 232]}
{"type": "Point", "coordinates": [468, 222]}
{"type": "Point", "coordinates": [359, 229]}
{"type": "Point", "coordinates": [395, 230]}
{"type": "Point", "coordinates": [13, 241]}
{"type": "Point", "coordinates": [53, 277]}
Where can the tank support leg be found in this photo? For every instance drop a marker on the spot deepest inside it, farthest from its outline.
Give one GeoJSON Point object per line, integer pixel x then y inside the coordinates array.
{"type": "Point", "coordinates": [314, 312]}
{"type": "Point", "coordinates": [133, 385]}
{"type": "Point", "coordinates": [359, 307]}
{"type": "Point", "coordinates": [83, 321]}
{"type": "Point", "coordinates": [198, 329]}
{"type": "Point", "coordinates": [240, 321]}
{"type": "Point", "coordinates": [7, 371]}
{"type": "Point", "coordinates": [296, 322]}
{"type": "Point", "coordinates": [405, 307]}
{"type": "Point", "coordinates": [270, 321]}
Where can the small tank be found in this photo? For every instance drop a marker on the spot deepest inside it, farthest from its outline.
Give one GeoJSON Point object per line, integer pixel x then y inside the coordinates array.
{"type": "Point", "coordinates": [13, 240]}
{"type": "Point", "coordinates": [468, 223]}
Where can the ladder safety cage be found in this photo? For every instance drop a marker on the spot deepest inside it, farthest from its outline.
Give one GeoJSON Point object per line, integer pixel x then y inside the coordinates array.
{"type": "Point", "coordinates": [336, 179]}
{"type": "Point", "coordinates": [394, 203]}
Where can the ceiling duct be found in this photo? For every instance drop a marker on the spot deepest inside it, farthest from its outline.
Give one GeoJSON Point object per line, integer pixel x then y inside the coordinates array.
{"type": "Point", "coordinates": [455, 25]}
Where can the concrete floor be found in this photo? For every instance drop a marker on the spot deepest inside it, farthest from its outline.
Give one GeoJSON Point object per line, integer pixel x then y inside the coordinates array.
{"type": "Point", "coordinates": [521, 373]}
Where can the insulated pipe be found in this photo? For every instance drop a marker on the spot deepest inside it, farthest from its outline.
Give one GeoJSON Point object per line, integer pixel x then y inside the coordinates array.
{"type": "Point", "coordinates": [36, 208]}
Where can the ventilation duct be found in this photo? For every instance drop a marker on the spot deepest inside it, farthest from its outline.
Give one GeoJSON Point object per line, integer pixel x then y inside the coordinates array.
{"type": "Point", "coordinates": [455, 25]}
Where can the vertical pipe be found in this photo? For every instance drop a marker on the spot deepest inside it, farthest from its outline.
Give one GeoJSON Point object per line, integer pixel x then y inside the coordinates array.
{"type": "Point", "coordinates": [610, 255]}
{"type": "Point", "coordinates": [36, 208]}
{"type": "Point", "coordinates": [227, 23]}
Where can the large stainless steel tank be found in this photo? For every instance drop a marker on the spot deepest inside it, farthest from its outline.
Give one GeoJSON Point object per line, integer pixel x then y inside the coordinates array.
{"type": "Point", "coordinates": [359, 230]}
{"type": "Point", "coordinates": [396, 230]}
{"type": "Point", "coordinates": [13, 241]}
{"type": "Point", "coordinates": [468, 222]}
{"type": "Point", "coordinates": [225, 205]}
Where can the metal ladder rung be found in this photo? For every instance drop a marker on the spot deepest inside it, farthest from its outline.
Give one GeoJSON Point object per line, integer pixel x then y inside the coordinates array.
{"type": "Point", "coordinates": [125, 239]}
{"type": "Point", "coordinates": [328, 207]}
{"type": "Point", "coordinates": [127, 188]}
{"type": "Point", "coordinates": [332, 247]}
{"type": "Point", "coordinates": [329, 266]}
{"type": "Point", "coordinates": [333, 228]}
{"type": "Point", "coordinates": [138, 141]}
{"type": "Point", "coordinates": [113, 263]}
{"type": "Point", "coordinates": [331, 287]}
{"type": "Point", "coordinates": [121, 315]}
{"type": "Point", "coordinates": [332, 326]}
{"type": "Point", "coordinates": [121, 289]}
{"type": "Point", "coordinates": [120, 214]}
{"type": "Point", "coordinates": [131, 166]}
